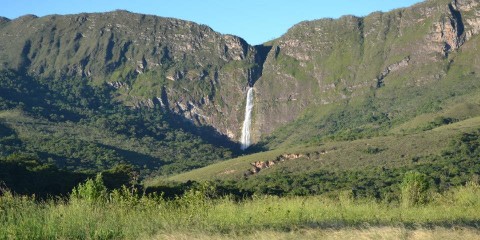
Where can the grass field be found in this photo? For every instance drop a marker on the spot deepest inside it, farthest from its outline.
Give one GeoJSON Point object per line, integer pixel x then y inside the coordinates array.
{"type": "Point", "coordinates": [120, 215]}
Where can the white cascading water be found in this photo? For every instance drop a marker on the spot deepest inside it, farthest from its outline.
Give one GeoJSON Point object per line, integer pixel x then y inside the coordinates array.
{"type": "Point", "coordinates": [245, 140]}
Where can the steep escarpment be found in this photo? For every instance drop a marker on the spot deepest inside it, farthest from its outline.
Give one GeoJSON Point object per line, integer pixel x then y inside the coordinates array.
{"type": "Point", "coordinates": [182, 67]}
{"type": "Point", "coordinates": [353, 60]}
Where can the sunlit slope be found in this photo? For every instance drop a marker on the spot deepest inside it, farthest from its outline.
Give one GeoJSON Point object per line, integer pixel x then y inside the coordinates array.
{"type": "Point", "coordinates": [403, 102]}
{"type": "Point", "coordinates": [392, 151]}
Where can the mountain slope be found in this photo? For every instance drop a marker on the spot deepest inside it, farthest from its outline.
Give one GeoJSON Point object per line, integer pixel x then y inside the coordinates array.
{"type": "Point", "coordinates": [368, 73]}
{"type": "Point", "coordinates": [202, 76]}
{"type": "Point", "coordinates": [79, 128]}
{"type": "Point", "coordinates": [181, 66]}
{"type": "Point", "coordinates": [91, 91]}
{"type": "Point", "coordinates": [355, 103]}
{"type": "Point", "coordinates": [395, 151]}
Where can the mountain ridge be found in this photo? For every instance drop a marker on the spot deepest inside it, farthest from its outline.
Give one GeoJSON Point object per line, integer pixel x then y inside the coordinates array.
{"type": "Point", "coordinates": [334, 61]}
{"type": "Point", "coordinates": [116, 55]}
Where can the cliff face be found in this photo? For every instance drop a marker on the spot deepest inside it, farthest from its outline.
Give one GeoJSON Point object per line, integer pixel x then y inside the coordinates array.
{"type": "Point", "coordinates": [326, 61]}
{"type": "Point", "coordinates": [181, 66]}
{"type": "Point", "coordinates": [201, 75]}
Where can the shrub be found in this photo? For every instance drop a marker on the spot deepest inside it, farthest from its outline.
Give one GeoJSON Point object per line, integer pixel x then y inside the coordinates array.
{"type": "Point", "coordinates": [93, 190]}
{"type": "Point", "coordinates": [414, 189]}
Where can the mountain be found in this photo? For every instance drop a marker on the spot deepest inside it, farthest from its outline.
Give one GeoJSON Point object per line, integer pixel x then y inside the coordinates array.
{"type": "Point", "coordinates": [366, 73]}
{"type": "Point", "coordinates": [99, 89]}
{"type": "Point", "coordinates": [182, 66]}
{"type": "Point", "coordinates": [89, 91]}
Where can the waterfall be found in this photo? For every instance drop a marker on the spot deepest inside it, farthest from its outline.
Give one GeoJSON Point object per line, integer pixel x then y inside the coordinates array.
{"type": "Point", "coordinates": [245, 140]}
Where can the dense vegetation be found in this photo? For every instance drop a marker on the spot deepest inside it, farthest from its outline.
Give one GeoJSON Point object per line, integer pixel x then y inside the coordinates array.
{"type": "Point", "coordinates": [80, 128]}
{"type": "Point", "coordinates": [93, 212]}
{"type": "Point", "coordinates": [451, 166]}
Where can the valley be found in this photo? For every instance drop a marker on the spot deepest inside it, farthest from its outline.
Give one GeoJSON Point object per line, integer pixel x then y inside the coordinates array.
{"type": "Point", "coordinates": [376, 119]}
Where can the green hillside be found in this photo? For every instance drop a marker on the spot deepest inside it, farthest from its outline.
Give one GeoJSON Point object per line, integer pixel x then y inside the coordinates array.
{"type": "Point", "coordinates": [389, 109]}
{"type": "Point", "coordinates": [79, 128]}
{"type": "Point", "coordinates": [391, 151]}
{"type": "Point", "coordinates": [147, 61]}
{"type": "Point", "coordinates": [371, 167]}
{"type": "Point", "coordinates": [364, 75]}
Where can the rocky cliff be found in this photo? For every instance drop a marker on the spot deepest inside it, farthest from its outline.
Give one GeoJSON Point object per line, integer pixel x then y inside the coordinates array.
{"type": "Point", "coordinates": [327, 61]}
{"type": "Point", "coordinates": [182, 67]}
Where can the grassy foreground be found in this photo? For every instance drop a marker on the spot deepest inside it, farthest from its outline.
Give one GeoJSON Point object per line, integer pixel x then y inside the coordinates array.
{"type": "Point", "coordinates": [96, 214]}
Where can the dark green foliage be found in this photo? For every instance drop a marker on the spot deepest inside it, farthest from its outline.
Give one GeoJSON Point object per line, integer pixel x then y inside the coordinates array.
{"type": "Point", "coordinates": [24, 174]}
{"type": "Point", "coordinates": [58, 109]}
{"type": "Point", "coordinates": [439, 121]}
{"type": "Point", "coordinates": [9, 142]}
{"type": "Point", "coordinates": [120, 175]}
{"type": "Point", "coordinates": [467, 146]}
{"type": "Point", "coordinates": [54, 100]}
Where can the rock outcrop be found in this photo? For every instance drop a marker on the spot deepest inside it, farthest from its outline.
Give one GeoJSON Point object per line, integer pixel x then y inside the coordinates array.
{"type": "Point", "coordinates": [260, 165]}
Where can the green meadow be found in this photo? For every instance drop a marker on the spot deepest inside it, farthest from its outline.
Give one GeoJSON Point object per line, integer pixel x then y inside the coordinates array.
{"type": "Point", "coordinates": [93, 212]}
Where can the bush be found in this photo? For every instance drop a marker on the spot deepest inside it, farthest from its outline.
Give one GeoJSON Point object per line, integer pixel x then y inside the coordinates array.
{"type": "Point", "coordinates": [414, 189]}
{"type": "Point", "coordinates": [93, 190]}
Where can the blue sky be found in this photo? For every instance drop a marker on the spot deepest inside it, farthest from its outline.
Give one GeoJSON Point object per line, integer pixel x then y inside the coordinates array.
{"type": "Point", "coordinates": [256, 21]}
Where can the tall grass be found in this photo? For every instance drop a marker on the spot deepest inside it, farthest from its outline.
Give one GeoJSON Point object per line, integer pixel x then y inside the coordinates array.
{"type": "Point", "coordinates": [123, 215]}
